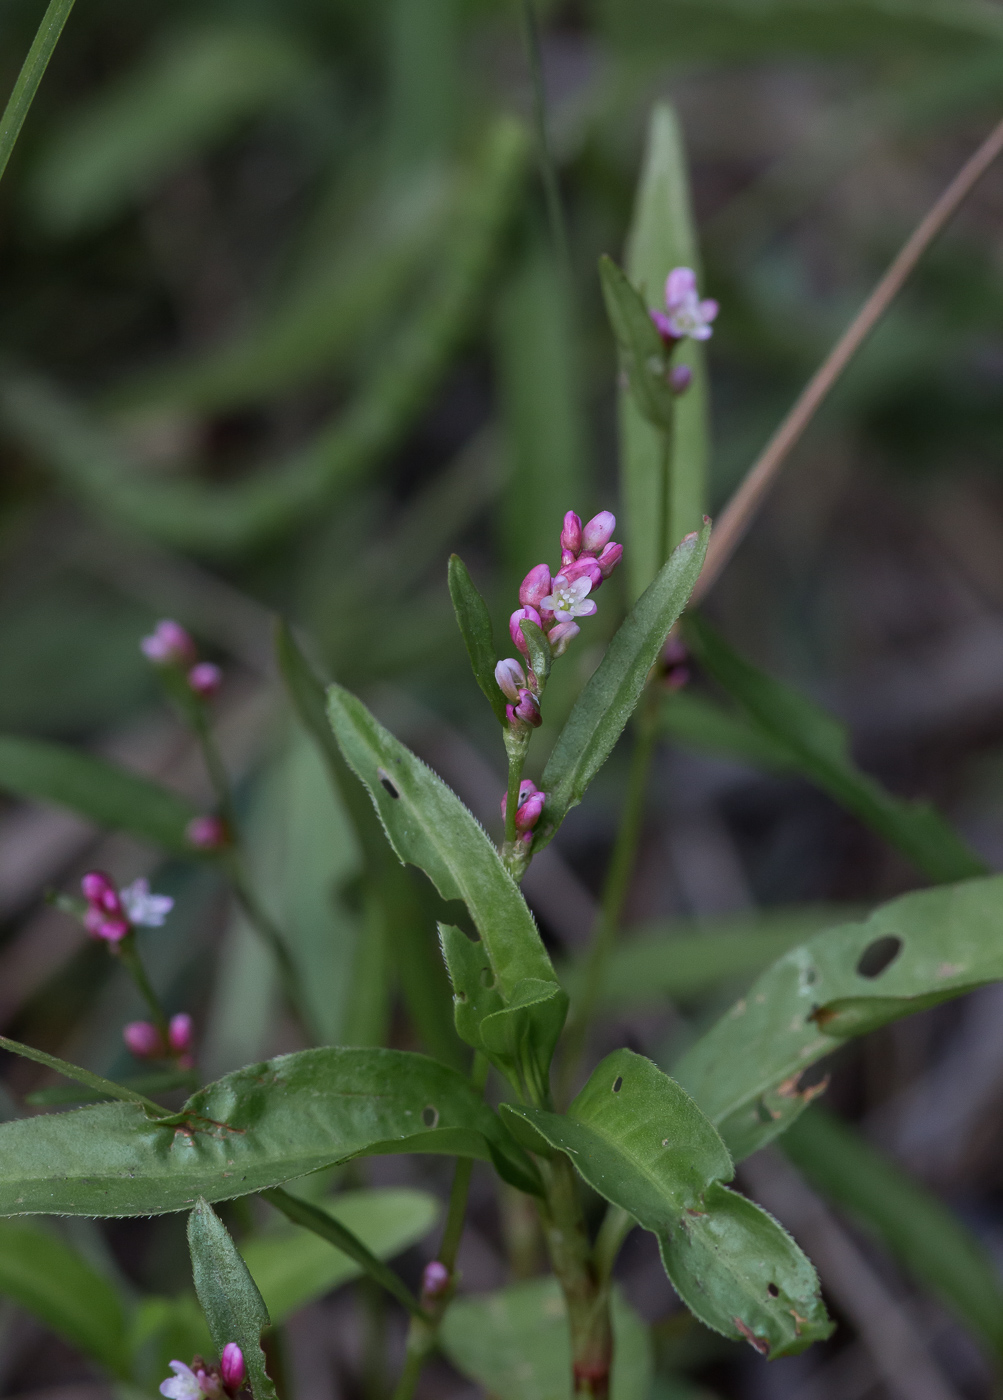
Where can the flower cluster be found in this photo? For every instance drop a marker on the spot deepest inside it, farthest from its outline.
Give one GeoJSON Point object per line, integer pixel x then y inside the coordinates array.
{"type": "Point", "coordinates": [112, 913]}
{"type": "Point", "coordinates": [527, 813]}
{"type": "Point", "coordinates": [171, 647]}
{"type": "Point", "coordinates": [201, 1382]}
{"type": "Point", "coordinates": [144, 1040]}
{"type": "Point", "coordinates": [685, 315]}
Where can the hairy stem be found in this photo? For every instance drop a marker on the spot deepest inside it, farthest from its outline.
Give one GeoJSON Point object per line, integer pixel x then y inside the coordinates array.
{"type": "Point", "coordinates": [737, 515]}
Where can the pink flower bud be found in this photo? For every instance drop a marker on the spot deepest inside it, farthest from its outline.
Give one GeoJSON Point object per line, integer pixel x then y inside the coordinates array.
{"type": "Point", "coordinates": [180, 1033]}
{"type": "Point", "coordinates": [207, 833]}
{"type": "Point", "coordinates": [680, 378]}
{"type": "Point", "coordinates": [96, 884]}
{"type": "Point", "coordinates": [515, 631]}
{"type": "Point", "coordinates": [232, 1368]}
{"type": "Point", "coordinates": [526, 789]}
{"type": "Point", "coordinates": [609, 558]}
{"type": "Point", "coordinates": [535, 586]}
{"type": "Point", "coordinates": [583, 567]}
{"type": "Point", "coordinates": [205, 679]}
{"type": "Point", "coordinates": [169, 645]}
{"type": "Point", "coordinates": [561, 636]}
{"type": "Point", "coordinates": [529, 813]}
{"type": "Point", "coordinates": [143, 1040]}
{"type": "Point", "coordinates": [677, 677]}
{"type": "Point", "coordinates": [510, 676]}
{"type": "Point", "coordinates": [598, 531]}
{"type": "Point", "coordinates": [111, 927]}
{"type": "Point", "coordinates": [674, 652]}
{"type": "Point", "coordinates": [571, 535]}
{"type": "Point", "coordinates": [567, 557]}
{"type": "Point", "coordinates": [434, 1280]}
{"type": "Point", "coordinates": [527, 711]}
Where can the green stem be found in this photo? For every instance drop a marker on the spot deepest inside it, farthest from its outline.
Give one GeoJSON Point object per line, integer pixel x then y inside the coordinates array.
{"type": "Point", "coordinates": [30, 76]}
{"type": "Point", "coordinates": [128, 953]}
{"type": "Point", "coordinates": [548, 172]}
{"type": "Point", "coordinates": [616, 1226]}
{"type": "Point", "coordinates": [621, 867]}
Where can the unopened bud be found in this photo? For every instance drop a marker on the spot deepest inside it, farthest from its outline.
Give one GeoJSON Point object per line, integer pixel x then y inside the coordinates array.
{"type": "Point", "coordinates": [96, 885]}
{"type": "Point", "coordinates": [680, 378]}
{"type": "Point", "coordinates": [609, 558]}
{"type": "Point", "coordinates": [205, 679]}
{"type": "Point", "coordinates": [677, 677]}
{"type": "Point", "coordinates": [232, 1367]}
{"type": "Point", "coordinates": [526, 789]}
{"type": "Point", "coordinates": [583, 567]}
{"type": "Point", "coordinates": [515, 631]}
{"type": "Point", "coordinates": [510, 676]}
{"type": "Point", "coordinates": [169, 645]}
{"type": "Point", "coordinates": [434, 1280]}
{"type": "Point", "coordinates": [527, 711]}
{"type": "Point", "coordinates": [111, 927]}
{"type": "Point", "coordinates": [207, 833]}
{"type": "Point", "coordinates": [571, 536]}
{"type": "Point", "coordinates": [143, 1040]}
{"type": "Point", "coordinates": [180, 1033]}
{"type": "Point", "coordinates": [535, 586]}
{"type": "Point", "coordinates": [674, 652]}
{"type": "Point", "coordinates": [529, 813]}
{"type": "Point", "coordinates": [598, 531]}
{"type": "Point", "coordinates": [561, 636]}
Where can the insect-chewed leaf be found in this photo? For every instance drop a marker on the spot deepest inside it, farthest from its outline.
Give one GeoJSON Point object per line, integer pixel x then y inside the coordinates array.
{"type": "Point", "coordinates": [256, 1128]}
{"type": "Point", "coordinates": [233, 1307]}
{"type": "Point", "coordinates": [97, 790]}
{"type": "Point", "coordinates": [917, 950]}
{"type": "Point", "coordinates": [642, 354]}
{"type": "Point", "coordinates": [515, 1343]}
{"type": "Point", "coordinates": [815, 744]}
{"type": "Point", "coordinates": [608, 699]}
{"type": "Point", "coordinates": [478, 636]}
{"type": "Point", "coordinates": [642, 1143]}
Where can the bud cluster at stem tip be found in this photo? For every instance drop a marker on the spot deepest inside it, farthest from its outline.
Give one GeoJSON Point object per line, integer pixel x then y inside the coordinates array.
{"type": "Point", "coordinates": [111, 913]}
{"type": "Point", "coordinates": [169, 646]}
{"type": "Point", "coordinates": [144, 1040]}
{"type": "Point", "coordinates": [200, 1381]}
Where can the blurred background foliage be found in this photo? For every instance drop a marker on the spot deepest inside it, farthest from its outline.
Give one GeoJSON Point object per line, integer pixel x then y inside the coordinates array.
{"type": "Point", "coordinates": [282, 323]}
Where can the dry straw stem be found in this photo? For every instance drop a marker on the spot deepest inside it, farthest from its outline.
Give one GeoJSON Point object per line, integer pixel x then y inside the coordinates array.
{"type": "Point", "coordinates": [737, 515]}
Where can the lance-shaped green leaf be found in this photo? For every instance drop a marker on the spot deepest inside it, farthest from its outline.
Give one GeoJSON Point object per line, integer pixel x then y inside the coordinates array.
{"type": "Point", "coordinates": [663, 476]}
{"type": "Point", "coordinates": [918, 950]}
{"type": "Point", "coordinates": [233, 1307]}
{"type": "Point", "coordinates": [515, 1343]}
{"type": "Point", "coordinates": [478, 636]}
{"type": "Point", "coordinates": [640, 1141]}
{"type": "Point", "coordinates": [608, 699]}
{"type": "Point", "coordinates": [51, 1281]}
{"type": "Point", "coordinates": [32, 71]}
{"type": "Point", "coordinates": [817, 746]}
{"type": "Point", "coordinates": [917, 1228]}
{"type": "Point", "coordinates": [259, 1127]}
{"type": "Point", "coordinates": [97, 790]}
{"type": "Point", "coordinates": [429, 826]}
{"type": "Point", "coordinates": [643, 357]}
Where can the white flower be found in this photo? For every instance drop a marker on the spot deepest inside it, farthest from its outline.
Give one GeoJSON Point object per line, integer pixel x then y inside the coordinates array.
{"type": "Point", "coordinates": [150, 910]}
{"type": "Point", "coordinates": [686, 313]}
{"type": "Point", "coordinates": [183, 1386]}
{"type": "Point", "coordinates": [569, 600]}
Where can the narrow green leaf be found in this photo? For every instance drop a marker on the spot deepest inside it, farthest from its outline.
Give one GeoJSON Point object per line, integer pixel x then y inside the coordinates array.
{"type": "Point", "coordinates": [53, 1283]}
{"type": "Point", "coordinates": [918, 1229]}
{"type": "Point", "coordinates": [640, 1141]}
{"type": "Point", "coordinates": [260, 1127]}
{"type": "Point", "coordinates": [478, 636]}
{"type": "Point", "coordinates": [331, 1229]}
{"type": "Point", "coordinates": [643, 356]}
{"type": "Point", "coordinates": [608, 699]}
{"type": "Point", "coordinates": [293, 1267]}
{"type": "Point", "coordinates": [233, 1307]}
{"type": "Point", "coordinates": [916, 951]}
{"type": "Point", "coordinates": [515, 1343]}
{"type": "Point", "coordinates": [817, 746]}
{"type": "Point", "coordinates": [107, 1088]}
{"type": "Point", "coordinates": [662, 236]}
{"type": "Point", "coordinates": [96, 790]}
{"type": "Point", "coordinates": [30, 76]}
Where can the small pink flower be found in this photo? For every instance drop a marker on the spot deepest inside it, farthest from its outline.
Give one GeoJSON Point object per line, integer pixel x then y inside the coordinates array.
{"type": "Point", "coordinates": [510, 676]}
{"type": "Point", "coordinates": [609, 558]}
{"type": "Point", "coordinates": [207, 833]}
{"type": "Point", "coordinates": [685, 314]}
{"type": "Point", "coordinates": [169, 645]}
{"type": "Point", "coordinates": [232, 1367]}
{"type": "Point", "coordinates": [571, 536]}
{"type": "Point", "coordinates": [535, 586]}
{"type": "Point", "coordinates": [569, 600]}
{"type": "Point", "coordinates": [515, 631]}
{"type": "Point", "coordinates": [143, 1040]}
{"type": "Point", "coordinates": [434, 1280]}
{"type": "Point", "coordinates": [561, 636]}
{"type": "Point", "coordinates": [598, 531]}
{"type": "Point", "coordinates": [205, 679]}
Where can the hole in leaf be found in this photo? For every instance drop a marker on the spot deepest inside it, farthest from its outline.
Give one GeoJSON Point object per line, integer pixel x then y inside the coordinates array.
{"type": "Point", "coordinates": [385, 782]}
{"type": "Point", "coordinates": [487, 977]}
{"type": "Point", "coordinates": [811, 976]}
{"type": "Point", "coordinates": [773, 1290]}
{"type": "Point", "coordinates": [879, 955]}
{"type": "Point", "coordinates": [430, 1116]}
{"type": "Point", "coordinates": [461, 996]}
{"type": "Point", "coordinates": [618, 1083]}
